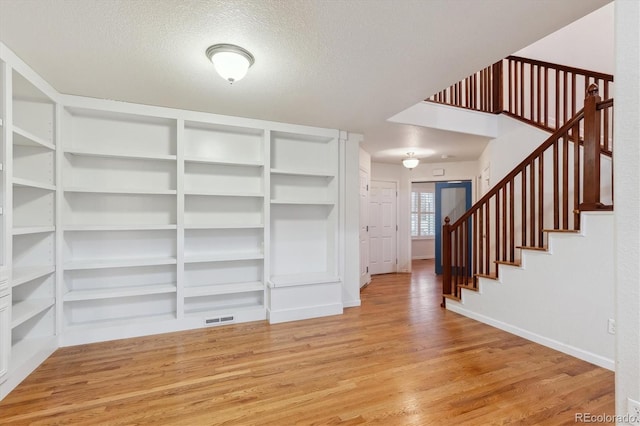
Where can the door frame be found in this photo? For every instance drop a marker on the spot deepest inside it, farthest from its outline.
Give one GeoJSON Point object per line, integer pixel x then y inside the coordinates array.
{"type": "Point", "coordinates": [367, 278]}
{"type": "Point", "coordinates": [468, 185]}
{"type": "Point", "coordinates": [397, 183]}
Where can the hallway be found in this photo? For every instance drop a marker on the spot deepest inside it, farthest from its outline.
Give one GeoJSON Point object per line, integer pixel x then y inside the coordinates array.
{"type": "Point", "coordinates": [399, 359]}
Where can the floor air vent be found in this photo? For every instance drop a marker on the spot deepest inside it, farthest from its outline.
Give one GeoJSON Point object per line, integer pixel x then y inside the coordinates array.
{"type": "Point", "coordinates": [218, 320]}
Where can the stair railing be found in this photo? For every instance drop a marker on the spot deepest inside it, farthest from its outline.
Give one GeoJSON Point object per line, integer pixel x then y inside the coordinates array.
{"type": "Point", "coordinates": [540, 93]}
{"type": "Point", "coordinates": [547, 190]}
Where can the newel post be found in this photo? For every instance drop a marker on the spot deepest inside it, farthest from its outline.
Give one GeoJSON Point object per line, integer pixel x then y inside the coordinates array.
{"type": "Point", "coordinates": [496, 72]}
{"type": "Point", "coordinates": [446, 258]}
{"type": "Point", "coordinates": [591, 171]}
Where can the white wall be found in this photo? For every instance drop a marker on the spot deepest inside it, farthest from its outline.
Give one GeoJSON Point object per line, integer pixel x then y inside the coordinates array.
{"type": "Point", "coordinates": [553, 299]}
{"type": "Point", "coordinates": [627, 208]}
{"type": "Point", "coordinates": [516, 140]}
{"type": "Point", "coordinates": [423, 247]}
{"type": "Point", "coordinates": [587, 43]}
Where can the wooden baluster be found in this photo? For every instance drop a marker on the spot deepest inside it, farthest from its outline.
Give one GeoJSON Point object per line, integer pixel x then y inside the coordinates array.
{"type": "Point", "coordinates": [539, 96]}
{"type": "Point", "coordinates": [574, 94]}
{"type": "Point", "coordinates": [446, 258]}
{"type": "Point", "coordinates": [576, 176]}
{"type": "Point", "coordinates": [591, 170]}
{"type": "Point", "coordinates": [565, 96]}
{"type": "Point", "coordinates": [557, 122]}
{"type": "Point", "coordinates": [512, 238]}
{"type": "Point", "coordinates": [497, 222]}
{"type": "Point", "coordinates": [531, 78]}
{"type": "Point", "coordinates": [487, 223]}
{"type": "Point", "coordinates": [541, 200]}
{"type": "Point", "coordinates": [565, 182]}
{"type": "Point", "coordinates": [465, 252]}
{"type": "Point", "coordinates": [524, 206]}
{"type": "Point", "coordinates": [475, 260]}
{"type": "Point", "coordinates": [503, 191]}
{"type": "Point", "coordinates": [458, 261]}
{"type": "Point", "coordinates": [522, 89]}
{"type": "Point", "coordinates": [480, 228]}
{"type": "Point", "coordinates": [510, 88]}
{"type": "Point", "coordinates": [546, 97]}
{"type": "Point", "coordinates": [498, 95]}
{"type": "Point", "coordinates": [532, 210]}
{"type": "Point", "coordinates": [556, 188]}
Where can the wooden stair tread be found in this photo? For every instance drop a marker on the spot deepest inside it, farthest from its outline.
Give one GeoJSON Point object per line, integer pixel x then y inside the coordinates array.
{"type": "Point", "coordinates": [491, 277]}
{"type": "Point", "coordinates": [451, 296]}
{"type": "Point", "coordinates": [564, 231]}
{"type": "Point", "coordinates": [504, 262]}
{"type": "Point", "coordinates": [533, 248]}
{"type": "Point", "coordinates": [468, 287]}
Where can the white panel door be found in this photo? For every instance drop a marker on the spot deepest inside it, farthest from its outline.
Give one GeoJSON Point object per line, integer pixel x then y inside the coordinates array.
{"type": "Point", "coordinates": [365, 277]}
{"type": "Point", "coordinates": [382, 227]}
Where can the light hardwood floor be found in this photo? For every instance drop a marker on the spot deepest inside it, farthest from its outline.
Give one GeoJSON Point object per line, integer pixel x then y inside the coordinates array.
{"type": "Point", "coordinates": [399, 359]}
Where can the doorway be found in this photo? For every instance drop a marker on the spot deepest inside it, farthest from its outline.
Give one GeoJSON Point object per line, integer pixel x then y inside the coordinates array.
{"type": "Point", "coordinates": [383, 227]}
{"type": "Point", "coordinates": [453, 199]}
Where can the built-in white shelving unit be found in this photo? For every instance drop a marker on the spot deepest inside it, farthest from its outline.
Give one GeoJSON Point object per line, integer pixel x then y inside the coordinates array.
{"type": "Point", "coordinates": [121, 220]}
{"type": "Point", "coordinates": [303, 225]}
{"type": "Point", "coordinates": [33, 214]}
{"type": "Point", "coordinates": [224, 189]}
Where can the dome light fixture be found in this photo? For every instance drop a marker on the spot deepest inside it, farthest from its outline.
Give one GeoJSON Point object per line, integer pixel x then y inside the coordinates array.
{"type": "Point", "coordinates": [230, 61]}
{"type": "Point", "coordinates": [410, 162]}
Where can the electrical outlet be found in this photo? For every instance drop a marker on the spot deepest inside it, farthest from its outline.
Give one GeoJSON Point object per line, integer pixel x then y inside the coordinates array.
{"type": "Point", "coordinates": [611, 326]}
{"type": "Point", "coordinates": [633, 408]}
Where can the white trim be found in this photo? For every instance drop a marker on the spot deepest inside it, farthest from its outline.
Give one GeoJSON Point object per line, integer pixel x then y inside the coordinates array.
{"type": "Point", "coordinates": [598, 360]}
{"type": "Point", "coordinates": [305, 312]}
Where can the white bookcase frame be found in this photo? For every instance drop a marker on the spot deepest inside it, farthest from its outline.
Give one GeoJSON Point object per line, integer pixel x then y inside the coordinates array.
{"type": "Point", "coordinates": [148, 220]}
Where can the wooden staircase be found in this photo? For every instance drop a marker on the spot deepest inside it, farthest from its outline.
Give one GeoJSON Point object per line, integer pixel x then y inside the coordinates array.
{"type": "Point", "coordinates": [570, 173]}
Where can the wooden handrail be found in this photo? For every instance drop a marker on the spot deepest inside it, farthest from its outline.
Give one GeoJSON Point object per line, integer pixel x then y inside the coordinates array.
{"type": "Point", "coordinates": [546, 190]}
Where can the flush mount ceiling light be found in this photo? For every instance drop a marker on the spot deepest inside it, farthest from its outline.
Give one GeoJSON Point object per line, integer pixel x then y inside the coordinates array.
{"type": "Point", "coordinates": [230, 61]}
{"type": "Point", "coordinates": [410, 162]}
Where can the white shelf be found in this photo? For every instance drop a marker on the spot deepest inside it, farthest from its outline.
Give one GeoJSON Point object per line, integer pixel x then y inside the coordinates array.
{"type": "Point", "coordinates": [122, 191]}
{"type": "Point", "coordinates": [224, 194]}
{"type": "Point", "coordinates": [27, 347]}
{"type": "Point", "coordinates": [302, 279]}
{"type": "Point", "coordinates": [26, 230]}
{"type": "Point", "coordinates": [302, 173]}
{"type": "Point", "coordinates": [203, 227]}
{"type": "Point", "coordinates": [74, 228]}
{"type": "Point", "coordinates": [109, 293]}
{"type": "Point", "coordinates": [224, 257]}
{"type": "Point", "coordinates": [27, 183]}
{"type": "Point", "coordinates": [204, 160]}
{"type": "Point", "coordinates": [24, 311]}
{"type": "Point", "coordinates": [120, 322]}
{"type": "Point", "coordinates": [304, 202]}
{"type": "Point", "coordinates": [26, 274]}
{"type": "Point", "coordinates": [118, 263]}
{"type": "Point", "coordinates": [24, 138]}
{"type": "Point", "coordinates": [229, 309]}
{"type": "Point", "coordinates": [213, 290]}
{"type": "Point", "coordinates": [135, 156]}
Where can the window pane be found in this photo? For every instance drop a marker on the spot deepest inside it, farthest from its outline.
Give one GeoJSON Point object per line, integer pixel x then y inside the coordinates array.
{"type": "Point", "coordinates": [414, 201]}
{"type": "Point", "coordinates": [414, 224]}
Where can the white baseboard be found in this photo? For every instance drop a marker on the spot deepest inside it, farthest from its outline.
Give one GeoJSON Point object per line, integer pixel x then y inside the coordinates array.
{"type": "Point", "coordinates": [351, 303]}
{"type": "Point", "coordinates": [598, 360]}
{"type": "Point", "coordinates": [303, 313]}
{"type": "Point", "coordinates": [423, 257]}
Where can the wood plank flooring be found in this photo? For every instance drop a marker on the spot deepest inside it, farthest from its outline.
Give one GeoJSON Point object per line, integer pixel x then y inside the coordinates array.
{"type": "Point", "coordinates": [399, 359]}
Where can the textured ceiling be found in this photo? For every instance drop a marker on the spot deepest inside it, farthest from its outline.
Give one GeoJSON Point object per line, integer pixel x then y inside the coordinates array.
{"type": "Point", "coordinates": [347, 64]}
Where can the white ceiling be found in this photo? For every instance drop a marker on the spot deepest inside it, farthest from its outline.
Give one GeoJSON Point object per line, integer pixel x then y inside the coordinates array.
{"type": "Point", "coordinates": [346, 64]}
